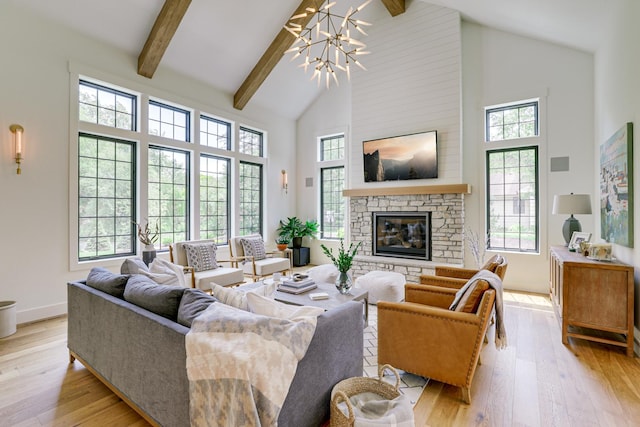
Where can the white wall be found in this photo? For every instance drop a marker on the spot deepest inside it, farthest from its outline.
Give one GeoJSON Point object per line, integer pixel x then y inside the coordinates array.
{"type": "Point", "coordinates": [500, 67]}
{"type": "Point", "coordinates": [34, 83]}
{"type": "Point", "coordinates": [617, 94]}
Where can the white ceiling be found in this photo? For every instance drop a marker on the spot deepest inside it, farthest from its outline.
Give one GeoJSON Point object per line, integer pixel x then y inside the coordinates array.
{"type": "Point", "coordinates": [219, 41]}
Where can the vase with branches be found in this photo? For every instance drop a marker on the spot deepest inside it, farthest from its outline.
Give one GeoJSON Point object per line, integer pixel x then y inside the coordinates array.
{"type": "Point", "coordinates": [478, 249]}
{"type": "Point", "coordinates": [343, 262]}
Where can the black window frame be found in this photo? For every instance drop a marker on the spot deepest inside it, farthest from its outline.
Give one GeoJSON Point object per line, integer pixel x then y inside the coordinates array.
{"type": "Point", "coordinates": [228, 191]}
{"type": "Point", "coordinates": [323, 227]}
{"type": "Point", "coordinates": [254, 132]}
{"type": "Point", "coordinates": [161, 105]}
{"type": "Point", "coordinates": [517, 105]}
{"type": "Point", "coordinates": [261, 199]}
{"type": "Point", "coordinates": [132, 97]}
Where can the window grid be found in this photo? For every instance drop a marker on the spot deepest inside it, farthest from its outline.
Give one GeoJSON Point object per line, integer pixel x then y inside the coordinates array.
{"type": "Point", "coordinates": [168, 195]}
{"type": "Point", "coordinates": [332, 148]}
{"type": "Point", "coordinates": [215, 133]}
{"type": "Point", "coordinates": [168, 122]}
{"type": "Point", "coordinates": [512, 199]}
{"type": "Point", "coordinates": [332, 202]}
{"type": "Point", "coordinates": [512, 121]}
{"type": "Point", "coordinates": [105, 106]}
{"type": "Point", "coordinates": [250, 198]}
{"type": "Point", "coordinates": [106, 197]}
{"type": "Point", "coordinates": [250, 142]}
{"type": "Point", "coordinates": [214, 198]}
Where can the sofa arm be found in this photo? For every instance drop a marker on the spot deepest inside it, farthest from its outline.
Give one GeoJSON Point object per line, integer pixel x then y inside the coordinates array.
{"type": "Point", "coordinates": [445, 282]}
{"type": "Point", "coordinates": [455, 272]}
{"type": "Point", "coordinates": [429, 295]}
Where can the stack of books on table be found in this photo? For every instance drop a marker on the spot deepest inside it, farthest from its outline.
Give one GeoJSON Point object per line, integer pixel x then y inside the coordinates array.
{"type": "Point", "coordinates": [297, 286]}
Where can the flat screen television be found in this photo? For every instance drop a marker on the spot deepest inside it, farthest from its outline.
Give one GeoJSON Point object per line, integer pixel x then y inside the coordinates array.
{"type": "Point", "coordinates": [403, 157]}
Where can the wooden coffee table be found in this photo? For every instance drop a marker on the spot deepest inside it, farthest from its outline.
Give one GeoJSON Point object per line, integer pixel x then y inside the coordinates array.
{"type": "Point", "coordinates": [335, 298]}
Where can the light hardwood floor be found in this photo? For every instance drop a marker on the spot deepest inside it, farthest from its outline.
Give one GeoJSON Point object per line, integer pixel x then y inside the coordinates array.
{"type": "Point", "coordinates": [536, 381]}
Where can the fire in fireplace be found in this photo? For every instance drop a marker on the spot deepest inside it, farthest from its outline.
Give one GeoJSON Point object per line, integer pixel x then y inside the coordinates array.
{"type": "Point", "coordinates": [402, 235]}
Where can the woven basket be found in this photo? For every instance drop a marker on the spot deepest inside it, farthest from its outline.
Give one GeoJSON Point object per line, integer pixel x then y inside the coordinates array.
{"type": "Point", "coordinates": [352, 386]}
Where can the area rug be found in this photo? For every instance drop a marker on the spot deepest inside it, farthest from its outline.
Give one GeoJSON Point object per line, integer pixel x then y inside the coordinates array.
{"type": "Point", "coordinates": [410, 385]}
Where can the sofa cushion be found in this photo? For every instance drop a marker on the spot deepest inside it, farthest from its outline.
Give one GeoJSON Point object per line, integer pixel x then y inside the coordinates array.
{"type": "Point", "coordinates": [133, 266]}
{"type": "Point", "coordinates": [201, 256]}
{"type": "Point", "coordinates": [470, 298]}
{"type": "Point", "coordinates": [159, 299]}
{"type": "Point", "coordinates": [103, 280]}
{"type": "Point", "coordinates": [254, 246]}
{"type": "Point", "coordinates": [237, 297]}
{"type": "Point", "coordinates": [193, 302]}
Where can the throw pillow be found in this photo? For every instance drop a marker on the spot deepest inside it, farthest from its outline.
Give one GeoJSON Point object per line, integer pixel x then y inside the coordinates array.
{"type": "Point", "coordinates": [264, 306]}
{"type": "Point", "coordinates": [103, 280]}
{"type": "Point", "coordinates": [237, 297]}
{"type": "Point", "coordinates": [469, 298]}
{"type": "Point", "coordinates": [493, 263]}
{"type": "Point", "coordinates": [159, 299]}
{"type": "Point", "coordinates": [201, 256]}
{"type": "Point", "coordinates": [193, 302]}
{"type": "Point", "coordinates": [133, 266]}
{"type": "Point", "coordinates": [254, 246]}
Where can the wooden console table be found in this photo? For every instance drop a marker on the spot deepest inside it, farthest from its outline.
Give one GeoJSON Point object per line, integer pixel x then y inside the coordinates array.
{"type": "Point", "coordinates": [594, 299]}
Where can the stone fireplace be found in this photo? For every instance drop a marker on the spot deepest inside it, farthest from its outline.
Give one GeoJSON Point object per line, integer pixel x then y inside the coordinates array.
{"type": "Point", "coordinates": [442, 205]}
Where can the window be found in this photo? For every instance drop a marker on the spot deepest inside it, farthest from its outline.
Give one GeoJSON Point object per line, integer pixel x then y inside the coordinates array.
{"type": "Point", "coordinates": [168, 196]}
{"type": "Point", "coordinates": [512, 199]}
{"type": "Point", "coordinates": [106, 106]}
{"type": "Point", "coordinates": [250, 142]}
{"type": "Point", "coordinates": [215, 133]}
{"type": "Point", "coordinates": [106, 197]}
{"type": "Point", "coordinates": [250, 198]}
{"type": "Point", "coordinates": [214, 198]}
{"type": "Point", "coordinates": [332, 203]}
{"type": "Point", "coordinates": [512, 121]}
{"type": "Point", "coordinates": [168, 122]}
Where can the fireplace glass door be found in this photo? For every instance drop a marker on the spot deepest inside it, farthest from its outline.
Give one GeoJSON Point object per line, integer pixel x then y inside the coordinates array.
{"type": "Point", "coordinates": [402, 235]}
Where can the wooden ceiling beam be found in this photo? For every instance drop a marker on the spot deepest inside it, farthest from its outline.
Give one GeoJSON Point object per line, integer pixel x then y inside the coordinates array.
{"type": "Point", "coordinates": [272, 56]}
{"type": "Point", "coordinates": [395, 7]}
{"type": "Point", "coordinates": [160, 36]}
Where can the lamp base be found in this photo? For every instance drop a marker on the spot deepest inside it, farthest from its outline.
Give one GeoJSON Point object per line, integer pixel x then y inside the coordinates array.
{"type": "Point", "coordinates": [570, 225]}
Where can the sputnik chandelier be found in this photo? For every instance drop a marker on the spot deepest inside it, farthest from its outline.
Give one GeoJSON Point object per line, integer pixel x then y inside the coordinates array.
{"type": "Point", "coordinates": [328, 44]}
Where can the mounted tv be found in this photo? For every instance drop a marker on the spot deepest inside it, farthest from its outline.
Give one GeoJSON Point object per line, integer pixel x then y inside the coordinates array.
{"type": "Point", "coordinates": [403, 157]}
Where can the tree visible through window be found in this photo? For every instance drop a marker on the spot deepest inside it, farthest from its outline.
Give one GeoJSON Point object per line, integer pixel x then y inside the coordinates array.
{"type": "Point", "coordinates": [512, 199]}
{"type": "Point", "coordinates": [332, 203]}
{"type": "Point", "coordinates": [106, 197]}
{"type": "Point", "coordinates": [512, 121]}
{"type": "Point", "coordinates": [250, 198]}
{"type": "Point", "coordinates": [214, 198]}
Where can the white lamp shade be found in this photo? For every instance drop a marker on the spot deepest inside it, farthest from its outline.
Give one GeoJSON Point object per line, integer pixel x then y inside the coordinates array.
{"type": "Point", "coordinates": [572, 204]}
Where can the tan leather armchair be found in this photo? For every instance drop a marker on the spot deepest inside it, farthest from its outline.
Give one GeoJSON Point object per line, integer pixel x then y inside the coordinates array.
{"type": "Point", "coordinates": [424, 337]}
{"type": "Point", "coordinates": [456, 277]}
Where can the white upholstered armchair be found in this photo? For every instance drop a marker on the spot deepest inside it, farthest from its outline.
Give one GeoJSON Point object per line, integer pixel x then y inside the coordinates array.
{"type": "Point", "coordinates": [249, 254]}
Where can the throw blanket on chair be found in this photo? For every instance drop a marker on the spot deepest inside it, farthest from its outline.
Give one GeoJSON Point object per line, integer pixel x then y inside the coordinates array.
{"type": "Point", "coordinates": [494, 282]}
{"type": "Point", "coordinates": [240, 365]}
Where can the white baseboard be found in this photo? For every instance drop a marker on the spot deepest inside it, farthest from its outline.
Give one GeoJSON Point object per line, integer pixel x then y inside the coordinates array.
{"type": "Point", "coordinates": [41, 313]}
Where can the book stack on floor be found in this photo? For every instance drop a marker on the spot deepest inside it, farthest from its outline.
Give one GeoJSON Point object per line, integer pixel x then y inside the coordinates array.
{"type": "Point", "coordinates": [297, 286]}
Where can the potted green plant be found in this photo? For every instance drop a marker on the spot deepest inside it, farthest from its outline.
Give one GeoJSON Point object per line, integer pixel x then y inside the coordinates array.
{"type": "Point", "coordinates": [343, 263]}
{"type": "Point", "coordinates": [294, 230]}
{"type": "Point", "coordinates": [282, 242]}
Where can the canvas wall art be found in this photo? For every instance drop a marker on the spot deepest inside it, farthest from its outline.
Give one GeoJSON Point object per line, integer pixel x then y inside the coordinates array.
{"type": "Point", "coordinates": [616, 187]}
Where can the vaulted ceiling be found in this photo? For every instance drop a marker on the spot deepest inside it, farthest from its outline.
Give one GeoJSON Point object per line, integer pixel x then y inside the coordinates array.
{"type": "Point", "coordinates": [236, 46]}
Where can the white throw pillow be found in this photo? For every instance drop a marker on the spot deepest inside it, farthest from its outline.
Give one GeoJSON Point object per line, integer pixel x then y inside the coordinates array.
{"type": "Point", "coordinates": [237, 297]}
{"type": "Point", "coordinates": [264, 306]}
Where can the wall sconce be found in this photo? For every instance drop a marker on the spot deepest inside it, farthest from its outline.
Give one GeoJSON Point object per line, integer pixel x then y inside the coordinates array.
{"type": "Point", "coordinates": [285, 182]}
{"type": "Point", "coordinates": [18, 144]}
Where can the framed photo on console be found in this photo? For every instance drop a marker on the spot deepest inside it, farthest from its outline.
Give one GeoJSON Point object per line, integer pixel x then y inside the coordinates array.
{"type": "Point", "coordinates": [576, 238]}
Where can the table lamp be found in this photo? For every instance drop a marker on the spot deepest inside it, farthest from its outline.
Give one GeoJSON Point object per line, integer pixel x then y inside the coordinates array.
{"type": "Point", "coordinates": [579, 204]}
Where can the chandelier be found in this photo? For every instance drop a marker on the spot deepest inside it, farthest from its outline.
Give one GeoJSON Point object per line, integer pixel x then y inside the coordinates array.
{"type": "Point", "coordinates": [327, 44]}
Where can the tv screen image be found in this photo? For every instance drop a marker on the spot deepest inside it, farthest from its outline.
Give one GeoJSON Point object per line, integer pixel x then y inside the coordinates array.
{"type": "Point", "coordinates": [403, 157]}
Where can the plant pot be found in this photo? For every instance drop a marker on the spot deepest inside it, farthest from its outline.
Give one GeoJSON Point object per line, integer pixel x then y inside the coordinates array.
{"type": "Point", "coordinates": [297, 242]}
{"type": "Point", "coordinates": [148, 254]}
{"type": "Point", "coordinates": [281, 246]}
{"type": "Point", "coordinates": [344, 283]}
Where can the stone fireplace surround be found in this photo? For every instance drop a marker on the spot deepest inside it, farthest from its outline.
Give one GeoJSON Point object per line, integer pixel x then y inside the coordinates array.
{"type": "Point", "coordinates": [446, 204]}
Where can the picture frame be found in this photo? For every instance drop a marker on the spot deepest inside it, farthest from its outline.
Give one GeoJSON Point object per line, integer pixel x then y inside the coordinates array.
{"type": "Point", "coordinates": [616, 187]}
{"type": "Point", "coordinates": [576, 238]}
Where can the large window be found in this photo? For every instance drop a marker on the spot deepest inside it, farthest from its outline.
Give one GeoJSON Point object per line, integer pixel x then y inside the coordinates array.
{"type": "Point", "coordinates": [512, 199]}
{"type": "Point", "coordinates": [169, 194]}
{"type": "Point", "coordinates": [518, 120]}
{"type": "Point", "coordinates": [250, 198]}
{"type": "Point", "coordinates": [332, 202]}
{"type": "Point", "coordinates": [106, 197]}
{"type": "Point", "coordinates": [214, 198]}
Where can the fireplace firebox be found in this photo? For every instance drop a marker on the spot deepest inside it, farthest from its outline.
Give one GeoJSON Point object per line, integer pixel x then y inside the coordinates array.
{"type": "Point", "coordinates": [402, 235]}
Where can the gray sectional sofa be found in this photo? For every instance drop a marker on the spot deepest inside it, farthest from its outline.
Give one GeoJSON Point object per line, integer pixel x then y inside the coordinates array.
{"type": "Point", "coordinates": [141, 355]}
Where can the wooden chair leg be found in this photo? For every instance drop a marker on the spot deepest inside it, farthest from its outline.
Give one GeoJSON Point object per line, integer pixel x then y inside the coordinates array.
{"type": "Point", "coordinates": [466, 395]}
{"type": "Point", "coordinates": [71, 358]}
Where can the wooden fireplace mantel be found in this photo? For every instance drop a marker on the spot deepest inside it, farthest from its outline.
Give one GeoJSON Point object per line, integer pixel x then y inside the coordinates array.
{"type": "Point", "coordinates": [399, 191]}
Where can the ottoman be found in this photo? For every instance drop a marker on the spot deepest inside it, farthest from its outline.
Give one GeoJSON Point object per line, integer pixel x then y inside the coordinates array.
{"type": "Point", "coordinates": [382, 286]}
